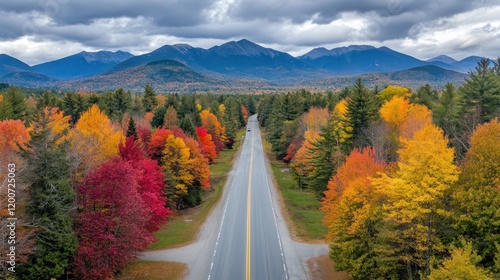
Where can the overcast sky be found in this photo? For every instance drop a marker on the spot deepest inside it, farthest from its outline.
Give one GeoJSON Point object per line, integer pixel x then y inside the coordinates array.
{"type": "Point", "coordinates": [37, 31]}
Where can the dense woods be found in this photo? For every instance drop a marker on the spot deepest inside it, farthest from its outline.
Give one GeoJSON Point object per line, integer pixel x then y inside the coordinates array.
{"type": "Point", "coordinates": [409, 181]}
{"type": "Point", "coordinates": [98, 174]}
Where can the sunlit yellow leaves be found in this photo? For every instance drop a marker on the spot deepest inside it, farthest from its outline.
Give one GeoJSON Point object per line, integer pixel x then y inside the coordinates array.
{"type": "Point", "coordinates": [415, 195]}
{"type": "Point", "coordinates": [177, 162]}
{"type": "Point", "coordinates": [394, 112]}
{"type": "Point", "coordinates": [58, 122]}
{"type": "Point", "coordinates": [94, 139]}
{"type": "Point", "coordinates": [394, 91]}
{"type": "Point", "coordinates": [460, 266]}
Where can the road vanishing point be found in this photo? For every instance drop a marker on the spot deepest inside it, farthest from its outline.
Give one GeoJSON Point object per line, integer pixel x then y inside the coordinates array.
{"type": "Point", "coordinates": [245, 236]}
{"type": "Point", "coordinates": [248, 244]}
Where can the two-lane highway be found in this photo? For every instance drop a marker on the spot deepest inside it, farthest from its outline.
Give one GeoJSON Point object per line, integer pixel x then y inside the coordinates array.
{"type": "Point", "coordinates": [248, 244]}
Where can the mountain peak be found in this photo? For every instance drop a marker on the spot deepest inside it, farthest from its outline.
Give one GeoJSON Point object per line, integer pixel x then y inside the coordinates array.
{"type": "Point", "coordinates": [320, 52]}
{"type": "Point", "coordinates": [242, 47]}
{"type": "Point", "coordinates": [183, 47]}
{"type": "Point", "coordinates": [442, 58]}
{"type": "Point", "coordinates": [105, 56]}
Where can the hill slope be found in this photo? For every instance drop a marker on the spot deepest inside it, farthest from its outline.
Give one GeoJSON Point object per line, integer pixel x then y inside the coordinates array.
{"type": "Point", "coordinates": [82, 64]}
{"type": "Point", "coordinates": [163, 74]}
{"type": "Point", "coordinates": [9, 64]}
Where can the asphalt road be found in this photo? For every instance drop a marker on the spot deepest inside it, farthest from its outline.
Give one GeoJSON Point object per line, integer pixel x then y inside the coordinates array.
{"type": "Point", "coordinates": [248, 244]}
{"type": "Point", "coordinates": [220, 250]}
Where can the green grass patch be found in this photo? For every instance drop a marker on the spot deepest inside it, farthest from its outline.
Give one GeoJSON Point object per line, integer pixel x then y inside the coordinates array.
{"type": "Point", "coordinates": [182, 228]}
{"type": "Point", "coordinates": [147, 270]}
{"type": "Point", "coordinates": [302, 206]}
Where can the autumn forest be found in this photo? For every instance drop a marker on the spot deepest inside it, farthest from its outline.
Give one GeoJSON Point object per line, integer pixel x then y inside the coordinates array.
{"type": "Point", "coordinates": [408, 179]}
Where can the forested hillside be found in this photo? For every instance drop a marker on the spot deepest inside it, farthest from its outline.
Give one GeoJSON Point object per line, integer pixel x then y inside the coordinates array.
{"type": "Point", "coordinates": [409, 181]}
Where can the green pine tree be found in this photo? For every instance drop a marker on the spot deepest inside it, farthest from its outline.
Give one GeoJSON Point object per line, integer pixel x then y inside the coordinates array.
{"type": "Point", "coordinates": [149, 101]}
{"type": "Point", "coordinates": [47, 176]}
{"type": "Point", "coordinates": [327, 157]}
{"type": "Point", "coordinates": [362, 109]}
{"type": "Point", "coordinates": [17, 103]}
{"type": "Point", "coordinates": [481, 92]}
{"type": "Point", "coordinates": [187, 126]}
{"type": "Point", "coordinates": [132, 129]}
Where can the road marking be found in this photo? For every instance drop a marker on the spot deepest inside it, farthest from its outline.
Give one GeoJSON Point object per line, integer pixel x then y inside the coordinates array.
{"type": "Point", "coordinates": [249, 202]}
{"type": "Point", "coordinates": [275, 220]}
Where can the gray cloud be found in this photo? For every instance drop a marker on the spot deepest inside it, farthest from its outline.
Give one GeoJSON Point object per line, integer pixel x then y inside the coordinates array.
{"type": "Point", "coordinates": [136, 25]}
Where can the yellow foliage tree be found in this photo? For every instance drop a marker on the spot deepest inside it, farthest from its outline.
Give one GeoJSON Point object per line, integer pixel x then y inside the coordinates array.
{"type": "Point", "coordinates": [300, 162]}
{"type": "Point", "coordinates": [394, 112]}
{"type": "Point", "coordinates": [417, 117]}
{"type": "Point", "coordinates": [177, 165]}
{"type": "Point", "coordinates": [58, 122]}
{"type": "Point", "coordinates": [341, 121]}
{"type": "Point", "coordinates": [394, 91]}
{"type": "Point", "coordinates": [460, 266]}
{"type": "Point", "coordinates": [94, 140]}
{"type": "Point", "coordinates": [415, 195]}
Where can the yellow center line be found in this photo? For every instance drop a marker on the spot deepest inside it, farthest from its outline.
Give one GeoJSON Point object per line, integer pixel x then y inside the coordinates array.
{"type": "Point", "coordinates": [249, 201]}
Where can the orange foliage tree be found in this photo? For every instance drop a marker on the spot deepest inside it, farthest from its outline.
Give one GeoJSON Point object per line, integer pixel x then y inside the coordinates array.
{"type": "Point", "coordinates": [210, 122]}
{"type": "Point", "coordinates": [351, 206]}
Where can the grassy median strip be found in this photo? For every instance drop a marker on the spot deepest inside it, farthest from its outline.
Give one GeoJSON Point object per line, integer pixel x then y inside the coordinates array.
{"type": "Point", "coordinates": [147, 270]}
{"type": "Point", "coordinates": [302, 207]}
{"type": "Point", "coordinates": [182, 229]}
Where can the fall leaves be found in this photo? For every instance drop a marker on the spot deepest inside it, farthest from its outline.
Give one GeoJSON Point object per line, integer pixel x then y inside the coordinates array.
{"type": "Point", "coordinates": [92, 197]}
{"type": "Point", "coordinates": [403, 198]}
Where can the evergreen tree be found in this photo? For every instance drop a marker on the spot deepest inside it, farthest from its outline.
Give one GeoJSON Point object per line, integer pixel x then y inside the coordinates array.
{"type": "Point", "coordinates": [74, 106]}
{"type": "Point", "coordinates": [47, 99]}
{"type": "Point", "coordinates": [187, 126]}
{"type": "Point", "coordinates": [5, 109]}
{"type": "Point", "coordinates": [250, 104]}
{"type": "Point", "coordinates": [122, 102]}
{"type": "Point", "coordinates": [231, 118]}
{"type": "Point", "coordinates": [149, 101]}
{"type": "Point", "coordinates": [159, 117]}
{"type": "Point", "coordinates": [47, 175]}
{"type": "Point", "coordinates": [425, 95]}
{"type": "Point", "coordinates": [327, 156]}
{"type": "Point", "coordinates": [132, 129]}
{"type": "Point", "coordinates": [361, 111]}
{"type": "Point", "coordinates": [17, 103]}
{"type": "Point", "coordinates": [481, 91]}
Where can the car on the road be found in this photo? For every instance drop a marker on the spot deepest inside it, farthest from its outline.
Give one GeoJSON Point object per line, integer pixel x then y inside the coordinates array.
{"type": "Point", "coordinates": [248, 129]}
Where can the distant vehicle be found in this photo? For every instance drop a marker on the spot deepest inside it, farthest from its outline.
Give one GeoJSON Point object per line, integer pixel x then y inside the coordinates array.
{"type": "Point", "coordinates": [248, 129]}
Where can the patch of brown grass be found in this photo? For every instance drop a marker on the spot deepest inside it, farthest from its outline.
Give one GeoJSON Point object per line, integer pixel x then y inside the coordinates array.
{"type": "Point", "coordinates": [148, 270]}
{"type": "Point", "coordinates": [321, 268]}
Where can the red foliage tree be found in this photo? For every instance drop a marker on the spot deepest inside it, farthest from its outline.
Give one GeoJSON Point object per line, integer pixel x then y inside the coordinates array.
{"type": "Point", "coordinates": [149, 176]}
{"type": "Point", "coordinates": [111, 221]}
{"type": "Point", "coordinates": [207, 145]}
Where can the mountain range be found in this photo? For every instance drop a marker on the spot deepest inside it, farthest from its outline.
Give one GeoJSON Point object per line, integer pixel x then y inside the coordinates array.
{"type": "Point", "coordinates": [231, 65]}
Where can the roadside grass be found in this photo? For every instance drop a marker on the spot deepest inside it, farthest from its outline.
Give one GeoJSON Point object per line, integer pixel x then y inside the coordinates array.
{"type": "Point", "coordinates": [148, 270]}
{"type": "Point", "coordinates": [302, 206]}
{"type": "Point", "coordinates": [182, 228]}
